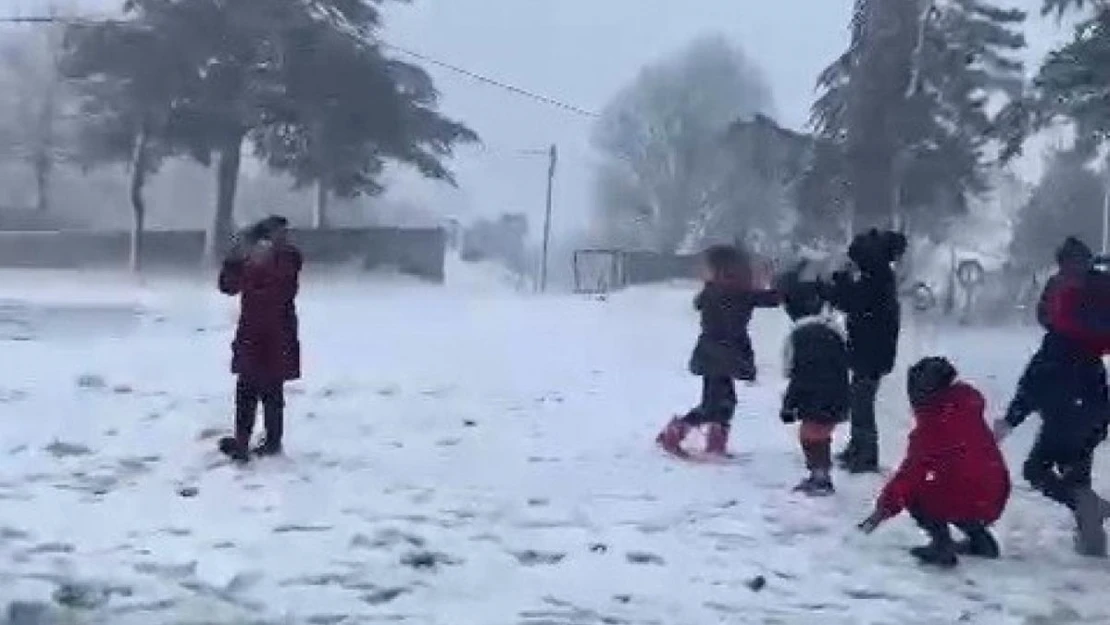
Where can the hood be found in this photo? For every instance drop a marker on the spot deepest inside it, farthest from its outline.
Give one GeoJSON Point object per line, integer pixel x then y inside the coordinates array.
{"type": "Point", "coordinates": [944, 402]}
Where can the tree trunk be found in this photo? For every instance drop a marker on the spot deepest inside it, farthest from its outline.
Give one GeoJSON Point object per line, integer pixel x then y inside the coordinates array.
{"type": "Point", "coordinates": [227, 181]}
{"type": "Point", "coordinates": [43, 157]}
{"type": "Point", "coordinates": [886, 42]}
{"type": "Point", "coordinates": [42, 180]}
{"type": "Point", "coordinates": [139, 168]}
{"type": "Point", "coordinates": [320, 219]}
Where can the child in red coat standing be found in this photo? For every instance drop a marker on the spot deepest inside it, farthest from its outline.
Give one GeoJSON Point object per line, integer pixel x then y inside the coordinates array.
{"type": "Point", "coordinates": [953, 472]}
{"type": "Point", "coordinates": [263, 271]}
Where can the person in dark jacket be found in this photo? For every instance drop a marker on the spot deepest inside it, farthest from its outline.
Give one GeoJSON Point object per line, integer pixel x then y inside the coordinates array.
{"type": "Point", "coordinates": [263, 271]}
{"type": "Point", "coordinates": [870, 300]}
{"type": "Point", "coordinates": [953, 474]}
{"type": "Point", "coordinates": [1066, 384]}
{"type": "Point", "coordinates": [815, 361]}
{"type": "Point", "coordinates": [723, 352]}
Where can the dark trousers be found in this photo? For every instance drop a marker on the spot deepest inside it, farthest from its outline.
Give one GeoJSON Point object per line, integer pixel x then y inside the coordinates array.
{"type": "Point", "coordinates": [1059, 471]}
{"type": "Point", "coordinates": [864, 432]}
{"type": "Point", "coordinates": [248, 394]}
{"type": "Point", "coordinates": [718, 402]}
{"type": "Point", "coordinates": [940, 531]}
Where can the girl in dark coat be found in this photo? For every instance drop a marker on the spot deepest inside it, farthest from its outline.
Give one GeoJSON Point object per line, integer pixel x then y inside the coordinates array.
{"type": "Point", "coordinates": [815, 361]}
{"type": "Point", "coordinates": [953, 472]}
{"type": "Point", "coordinates": [263, 271]}
{"type": "Point", "coordinates": [723, 352]}
{"type": "Point", "coordinates": [870, 301]}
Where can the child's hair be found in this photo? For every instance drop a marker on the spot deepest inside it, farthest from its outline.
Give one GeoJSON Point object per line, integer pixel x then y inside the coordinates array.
{"type": "Point", "coordinates": [727, 263]}
{"type": "Point", "coordinates": [929, 375]}
{"type": "Point", "coordinates": [874, 248]}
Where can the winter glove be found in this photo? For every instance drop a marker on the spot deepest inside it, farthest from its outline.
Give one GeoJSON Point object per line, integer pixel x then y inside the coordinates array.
{"type": "Point", "coordinates": [871, 523]}
{"type": "Point", "coordinates": [1001, 429]}
{"type": "Point", "coordinates": [789, 415]}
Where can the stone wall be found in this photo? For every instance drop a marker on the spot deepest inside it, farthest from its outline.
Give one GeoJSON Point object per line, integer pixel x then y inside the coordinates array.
{"type": "Point", "coordinates": [417, 252]}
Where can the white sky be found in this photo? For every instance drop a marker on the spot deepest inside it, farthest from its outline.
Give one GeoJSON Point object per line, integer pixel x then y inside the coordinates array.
{"type": "Point", "coordinates": [582, 52]}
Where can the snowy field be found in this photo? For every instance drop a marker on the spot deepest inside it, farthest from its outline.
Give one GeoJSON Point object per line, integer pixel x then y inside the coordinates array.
{"type": "Point", "coordinates": [459, 456]}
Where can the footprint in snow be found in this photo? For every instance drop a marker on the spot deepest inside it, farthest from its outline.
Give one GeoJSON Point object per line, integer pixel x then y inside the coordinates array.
{"type": "Point", "coordinates": [61, 449]}
{"type": "Point", "coordinates": [644, 557]}
{"type": "Point", "coordinates": [530, 557]}
{"type": "Point", "coordinates": [91, 381]}
{"type": "Point", "coordinates": [428, 560]}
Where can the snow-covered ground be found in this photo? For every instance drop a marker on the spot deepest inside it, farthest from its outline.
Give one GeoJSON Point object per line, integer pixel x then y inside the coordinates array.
{"type": "Point", "coordinates": [460, 457]}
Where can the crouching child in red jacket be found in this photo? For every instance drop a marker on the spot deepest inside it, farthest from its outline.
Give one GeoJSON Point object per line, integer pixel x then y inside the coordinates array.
{"type": "Point", "coordinates": [953, 472]}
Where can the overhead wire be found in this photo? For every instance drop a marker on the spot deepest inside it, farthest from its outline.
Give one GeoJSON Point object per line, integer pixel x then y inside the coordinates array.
{"type": "Point", "coordinates": [473, 75]}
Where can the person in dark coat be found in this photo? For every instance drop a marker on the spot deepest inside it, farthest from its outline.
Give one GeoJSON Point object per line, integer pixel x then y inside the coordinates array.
{"type": "Point", "coordinates": [953, 473]}
{"type": "Point", "coordinates": [870, 300]}
{"type": "Point", "coordinates": [815, 361]}
{"type": "Point", "coordinates": [723, 352]}
{"type": "Point", "coordinates": [1066, 384]}
{"type": "Point", "coordinates": [263, 271]}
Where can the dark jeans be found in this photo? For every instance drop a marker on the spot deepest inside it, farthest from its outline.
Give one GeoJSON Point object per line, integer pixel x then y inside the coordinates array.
{"type": "Point", "coordinates": [718, 402]}
{"type": "Point", "coordinates": [248, 394]}
{"type": "Point", "coordinates": [864, 432]}
{"type": "Point", "coordinates": [1057, 471]}
{"type": "Point", "coordinates": [940, 532]}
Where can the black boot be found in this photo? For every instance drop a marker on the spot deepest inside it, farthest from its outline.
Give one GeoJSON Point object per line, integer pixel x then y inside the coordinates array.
{"type": "Point", "coordinates": [234, 450]}
{"type": "Point", "coordinates": [273, 410]}
{"type": "Point", "coordinates": [246, 409]}
{"type": "Point", "coordinates": [942, 555]}
{"type": "Point", "coordinates": [1090, 535]}
{"type": "Point", "coordinates": [980, 543]}
{"type": "Point", "coordinates": [864, 460]}
{"type": "Point", "coordinates": [941, 551]}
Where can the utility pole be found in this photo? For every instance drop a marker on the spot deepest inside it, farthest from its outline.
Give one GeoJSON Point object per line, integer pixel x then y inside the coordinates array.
{"type": "Point", "coordinates": [553, 158]}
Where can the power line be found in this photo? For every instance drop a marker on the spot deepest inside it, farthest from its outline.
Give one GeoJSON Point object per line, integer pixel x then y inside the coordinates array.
{"type": "Point", "coordinates": [493, 82]}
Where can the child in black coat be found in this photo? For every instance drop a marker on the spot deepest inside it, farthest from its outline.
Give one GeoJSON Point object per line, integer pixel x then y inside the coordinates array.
{"type": "Point", "coordinates": [723, 352]}
{"type": "Point", "coordinates": [815, 361]}
{"type": "Point", "coordinates": [1066, 384]}
{"type": "Point", "coordinates": [870, 299]}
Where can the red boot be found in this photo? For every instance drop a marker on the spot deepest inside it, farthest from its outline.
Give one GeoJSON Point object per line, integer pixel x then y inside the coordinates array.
{"type": "Point", "coordinates": [670, 439]}
{"type": "Point", "coordinates": [716, 440]}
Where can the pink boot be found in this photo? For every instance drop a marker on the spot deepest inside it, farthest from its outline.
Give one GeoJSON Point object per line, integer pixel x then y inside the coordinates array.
{"type": "Point", "coordinates": [670, 439]}
{"type": "Point", "coordinates": [716, 440]}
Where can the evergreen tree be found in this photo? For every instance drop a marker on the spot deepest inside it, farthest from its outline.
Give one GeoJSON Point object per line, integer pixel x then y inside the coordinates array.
{"type": "Point", "coordinates": [966, 54]}
{"type": "Point", "coordinates": [1062, 205]}
{"type": "Point", "coordinates": [1070, 84]}
{"type": "Point", "coordinates": [301, 81]}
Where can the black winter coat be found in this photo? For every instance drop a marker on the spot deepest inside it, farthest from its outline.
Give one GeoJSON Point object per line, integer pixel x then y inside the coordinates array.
{"type": "Point", "coordinates": [874, 318]}
{"type": "Point", "coordinates": [724, 348]}
{"type": "Point", "coordinates": [1066, 385]}
{"type": "Point", "coordinates": [815, 361]}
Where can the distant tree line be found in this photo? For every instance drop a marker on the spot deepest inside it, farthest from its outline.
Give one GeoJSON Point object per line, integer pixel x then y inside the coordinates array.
{"type": "Point", "coordinates": [913, 126]}
{"type": "Point", "coordinates": [303, 86]}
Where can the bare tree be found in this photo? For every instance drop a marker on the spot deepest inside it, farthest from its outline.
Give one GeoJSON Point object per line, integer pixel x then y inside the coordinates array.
{"type": "Point", "coordinates": [663, 142]}
{"type": "Point", "coordinates": [36, 105]}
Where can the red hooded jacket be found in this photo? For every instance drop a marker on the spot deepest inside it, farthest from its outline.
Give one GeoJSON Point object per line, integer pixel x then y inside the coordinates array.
{"type": "Point", "coordinates": [267, 346]}
{"type": "Point", "coordinates": [953, 470]}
